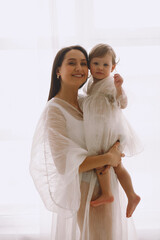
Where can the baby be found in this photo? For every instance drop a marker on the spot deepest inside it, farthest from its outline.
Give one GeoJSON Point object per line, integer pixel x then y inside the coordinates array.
{"type": "Point", "coordinates": [105, 123]}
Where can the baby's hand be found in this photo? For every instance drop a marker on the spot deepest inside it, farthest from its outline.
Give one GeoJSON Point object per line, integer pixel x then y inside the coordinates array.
{"type": "Point", "coordinates": [118, 80]}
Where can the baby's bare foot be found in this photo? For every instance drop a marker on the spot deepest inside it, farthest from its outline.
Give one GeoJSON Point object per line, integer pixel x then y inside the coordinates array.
{"type": "Point", "coordinates": [132, 204]}
{"type": "Point", "coordinates": [103, 199]}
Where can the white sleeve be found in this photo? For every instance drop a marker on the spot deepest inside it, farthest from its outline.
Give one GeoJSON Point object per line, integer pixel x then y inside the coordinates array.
{"type": "Point", "coordinates": [122, 100]}
{"type": "Point", "coordinates": [55, 161]}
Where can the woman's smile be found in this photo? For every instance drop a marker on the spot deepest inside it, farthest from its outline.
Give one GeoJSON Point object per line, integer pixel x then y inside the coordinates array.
{"type": "Point", "coordinates": [78, 75]}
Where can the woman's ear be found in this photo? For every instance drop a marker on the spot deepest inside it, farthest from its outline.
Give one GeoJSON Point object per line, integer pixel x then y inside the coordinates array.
{"type": "Point", "coordinates": [113, 67]}
{"type": "Point", "coordinates": [58, 71]}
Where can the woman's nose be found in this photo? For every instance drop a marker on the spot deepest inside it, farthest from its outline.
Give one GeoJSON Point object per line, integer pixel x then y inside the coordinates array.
{"type": "Point", "coordinates": [78, 67]}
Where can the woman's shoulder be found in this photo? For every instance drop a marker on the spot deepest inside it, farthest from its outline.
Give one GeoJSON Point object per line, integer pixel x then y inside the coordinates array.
{"type": "Point", "coordinates": [57, 103]}
{"type": "Point", "coordinates": [53, 102]}
{"type": "Point", "coordinates": [62, 108]}
{"type": "Point", "coordinates": [53, 110]}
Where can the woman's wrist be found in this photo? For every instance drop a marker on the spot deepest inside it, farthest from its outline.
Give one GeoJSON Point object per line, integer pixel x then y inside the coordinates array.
{"type": "Point", "coordinates": [107, 157]}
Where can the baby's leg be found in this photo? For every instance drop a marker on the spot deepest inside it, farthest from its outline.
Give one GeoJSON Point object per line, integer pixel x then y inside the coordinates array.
{"type": "Point", "coordinates": [126, 183]}
{"type": "Point", "coordinates": [104, 181]}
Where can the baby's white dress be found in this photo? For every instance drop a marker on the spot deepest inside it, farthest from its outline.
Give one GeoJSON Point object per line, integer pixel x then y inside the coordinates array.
{"type": "Point", "coordinates": [104, 121]}
{"type": "Point", "coordinates": [58, 150]}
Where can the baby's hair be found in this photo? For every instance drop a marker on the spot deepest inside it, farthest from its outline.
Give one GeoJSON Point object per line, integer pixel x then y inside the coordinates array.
{"type": "Point", "coordinates": [101, 50]}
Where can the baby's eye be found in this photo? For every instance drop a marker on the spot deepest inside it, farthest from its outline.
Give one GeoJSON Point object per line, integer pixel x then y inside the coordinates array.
{"type": "Point", "coordinates": [95, 63]}
{"type": "Point", "coordinates": [106, 65]}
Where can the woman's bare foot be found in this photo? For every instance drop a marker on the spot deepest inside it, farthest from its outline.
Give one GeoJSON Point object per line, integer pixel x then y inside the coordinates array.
{"type": "Point", "coordinates": [103, 199]}
{"type": "Point", "coordinates": [132, 204]}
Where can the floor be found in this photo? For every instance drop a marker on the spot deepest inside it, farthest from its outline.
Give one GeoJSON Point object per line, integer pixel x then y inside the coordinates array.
{"type": "Point", "coordinates": [142, 235]}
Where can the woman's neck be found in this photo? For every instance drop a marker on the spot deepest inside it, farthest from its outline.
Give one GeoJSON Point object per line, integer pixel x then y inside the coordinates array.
{"type": "Point", "coordinates": [69, 95]}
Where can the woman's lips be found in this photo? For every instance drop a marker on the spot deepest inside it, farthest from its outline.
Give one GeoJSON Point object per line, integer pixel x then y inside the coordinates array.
{"type": "Point", "coordinates": [78, 75]}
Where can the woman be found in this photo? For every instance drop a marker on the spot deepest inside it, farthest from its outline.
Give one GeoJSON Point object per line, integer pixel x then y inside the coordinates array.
{"type": "Point", "coordinates": [60, 166]}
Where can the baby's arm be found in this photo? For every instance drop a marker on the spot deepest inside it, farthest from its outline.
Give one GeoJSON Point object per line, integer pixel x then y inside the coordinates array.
{"type": "Point", "coordinates": [121, 96]}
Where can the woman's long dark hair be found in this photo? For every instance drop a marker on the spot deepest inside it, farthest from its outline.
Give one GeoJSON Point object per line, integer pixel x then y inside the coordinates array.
{"type": "Point", "coordinates": [55, 82]}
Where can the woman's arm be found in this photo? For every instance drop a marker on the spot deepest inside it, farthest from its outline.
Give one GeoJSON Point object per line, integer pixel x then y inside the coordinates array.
{"type": "Point", "coordinates": [55, 161]}
{"type": "Point", "coordinates": [112, 158]}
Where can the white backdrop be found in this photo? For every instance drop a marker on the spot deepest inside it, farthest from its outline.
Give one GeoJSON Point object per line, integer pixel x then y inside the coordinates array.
{"type": "Point", "coordinates": [31, 32]}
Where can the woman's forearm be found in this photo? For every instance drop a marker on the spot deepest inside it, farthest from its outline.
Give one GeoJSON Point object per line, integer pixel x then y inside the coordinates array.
{"type": "Point", "coordinates": [112, 158]}
{"type": "Point", "coordinates": [92, 162]}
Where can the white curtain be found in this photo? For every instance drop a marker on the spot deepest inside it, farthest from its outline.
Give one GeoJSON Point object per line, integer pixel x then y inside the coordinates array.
{"type": "Point", "coordinates": [31, 32]}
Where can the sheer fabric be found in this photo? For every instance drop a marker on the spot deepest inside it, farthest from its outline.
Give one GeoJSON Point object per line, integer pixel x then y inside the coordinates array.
{"type": "Point", "coordinates": [104, 121]}
{"type": "Point", "coordinates": [58, 150]}
{"type": "Point", "coordinates": [56, 157]}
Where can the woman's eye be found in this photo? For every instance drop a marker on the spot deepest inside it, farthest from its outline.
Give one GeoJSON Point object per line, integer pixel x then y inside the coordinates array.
{"type": "Point", "coordinates": [84, 64]}
{"type": "Point", "coordinates": [71, 63]}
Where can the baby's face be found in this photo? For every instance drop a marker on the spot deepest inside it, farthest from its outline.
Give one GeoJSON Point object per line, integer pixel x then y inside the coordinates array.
{"type": "Point", "coordinates": [101, 67]}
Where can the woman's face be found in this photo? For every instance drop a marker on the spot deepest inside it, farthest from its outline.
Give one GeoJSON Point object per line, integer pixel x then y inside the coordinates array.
{"type": "Point", "coordinates": [74, 69]}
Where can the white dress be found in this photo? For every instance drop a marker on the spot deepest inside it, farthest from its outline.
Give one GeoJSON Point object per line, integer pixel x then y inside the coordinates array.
{"type": "Point", "coordinates": [58, 149]}
{"type": "Point", "coordinates": [104, 121]}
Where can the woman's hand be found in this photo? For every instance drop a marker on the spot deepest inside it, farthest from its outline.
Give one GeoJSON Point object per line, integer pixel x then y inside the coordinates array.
{"type": "Point", "coordinates": [115, 155]}
{"type": "Point", "coordinates": [111, 158]}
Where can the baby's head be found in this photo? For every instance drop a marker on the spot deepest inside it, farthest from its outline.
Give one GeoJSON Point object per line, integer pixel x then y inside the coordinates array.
{"type": "Point", "coordinates": [102, 61]}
